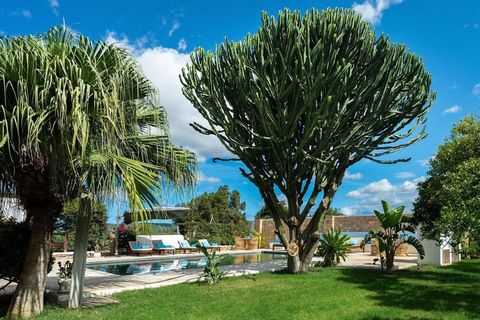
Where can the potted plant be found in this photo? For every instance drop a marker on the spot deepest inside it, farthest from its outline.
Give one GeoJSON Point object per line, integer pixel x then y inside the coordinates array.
{"type": "Point", "coordinates": [259, 236]}
{"type": "Point", "coordinates": [64, 276]}
{"type": "Point", "coordinates": [98, 251]}
{"type": "Point", "coordinates": [239, 243]}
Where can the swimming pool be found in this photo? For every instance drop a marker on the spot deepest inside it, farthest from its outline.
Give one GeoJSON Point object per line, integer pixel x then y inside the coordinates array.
{"type": "Point", "coordinates": [173, 265]}
{"type": "Point", "coordinates": [355, 234]}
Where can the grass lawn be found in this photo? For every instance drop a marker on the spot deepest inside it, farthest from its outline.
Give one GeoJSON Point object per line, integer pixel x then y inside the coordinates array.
{"type": "Point", "coordinates": [429, 293]}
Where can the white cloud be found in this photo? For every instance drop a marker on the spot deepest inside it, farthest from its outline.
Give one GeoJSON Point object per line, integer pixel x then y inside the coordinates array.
{"type": "Point", "coordinates": [163, 66]}
{"type": "Point", "coordinates": [405, 175]}
{"type": "Point", "coordinates": [476, 89]}
{"type": "Point", "coordinates": [370, 196]}
{"type": "Point", "coordinates": [144, 40]}
{"type": "Point", "coordinates": [120, 41]}
{"type": "Point", "coordinates": [375, 187]}
{"type": "Point", "coordinates": [424, 162]}
{"type": "Point", "coordinates": [452, 109]}
{"type": "Point", "coordinates": [454, 86]}
{"type": "Point", "coordinates": [24, 13]}
{"type": "Point", "coordinates": [136, 46]}
{"type": "Point", "coordinates": [182, 45]}
{"type": "Point", "coordinates": [353, 176]}
{"type": "Point", "coordinates": [54, 4]}
{"type": "Point", "coordinates": [174, 27]}
{"type": "Point", "coordinates": [372, 10]}
{"type": "Point", "coordinates": [203, 178]}
{"type": "Point", "coordinates": [349, 211]}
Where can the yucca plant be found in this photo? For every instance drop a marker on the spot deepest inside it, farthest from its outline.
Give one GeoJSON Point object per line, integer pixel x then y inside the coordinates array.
{"type": "Point", "coordinates": [333, 247]}
{"type": "Point", "coordinates": [395, 225]}
{"type": "Point", "coordinates": [78, 119]}
{"type": "Point", "coordinates": [211, 272]}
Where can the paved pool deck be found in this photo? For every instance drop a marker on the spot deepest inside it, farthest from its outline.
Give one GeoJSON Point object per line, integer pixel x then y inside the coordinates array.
{"type": "Point", "coordinates": [99, 283]}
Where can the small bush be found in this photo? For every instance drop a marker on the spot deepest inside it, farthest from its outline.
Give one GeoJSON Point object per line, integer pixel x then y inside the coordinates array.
{"type": "Point", "coordinates": [211, 272]}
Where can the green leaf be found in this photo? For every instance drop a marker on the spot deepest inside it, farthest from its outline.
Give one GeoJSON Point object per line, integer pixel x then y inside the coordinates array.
{"type": "Point", "coordinates": [414, 242]}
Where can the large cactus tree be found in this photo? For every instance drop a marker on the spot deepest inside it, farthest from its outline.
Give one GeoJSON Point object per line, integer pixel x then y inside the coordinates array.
{"type": "Point", "coordinates": [300, 101]}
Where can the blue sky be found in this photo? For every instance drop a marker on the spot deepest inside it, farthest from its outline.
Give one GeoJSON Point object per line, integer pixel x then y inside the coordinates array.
{"type": "Point", "coordinates": [162, 33]}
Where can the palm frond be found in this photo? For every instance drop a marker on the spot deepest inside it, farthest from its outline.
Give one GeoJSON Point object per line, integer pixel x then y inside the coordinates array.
{"type": "Point", "coordinates": [413, 241]}
{"type": "Point", "coordinates": [84, 113]}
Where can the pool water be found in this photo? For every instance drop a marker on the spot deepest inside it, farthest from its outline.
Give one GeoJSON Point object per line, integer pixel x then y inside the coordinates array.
{"type": "Point", "coordinates": [172, 265]}
{"type": "Point", "coordinates": [354, 234]}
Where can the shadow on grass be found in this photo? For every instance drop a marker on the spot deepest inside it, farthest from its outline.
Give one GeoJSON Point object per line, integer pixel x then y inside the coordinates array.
{"type": "Point", "coordinates": [4, 303]}
{"type": "Point", "coordinates": [399, 318]}
{"type": "Point", "coordinates": [453, 288]}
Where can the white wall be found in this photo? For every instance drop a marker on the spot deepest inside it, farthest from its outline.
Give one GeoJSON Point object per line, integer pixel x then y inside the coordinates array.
{"type": "Point", "coordinates": [433, 252]}
{"type": "Point", "coordinates": [11, 208]}
{"type": "Point", "coordinates": [170, 239]}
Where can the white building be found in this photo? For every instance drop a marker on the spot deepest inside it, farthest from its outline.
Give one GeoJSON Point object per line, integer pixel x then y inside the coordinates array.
{"type": "Point", "coordinates": [439, 254]}
{"type": "Point", "coordinates": [11, 208]}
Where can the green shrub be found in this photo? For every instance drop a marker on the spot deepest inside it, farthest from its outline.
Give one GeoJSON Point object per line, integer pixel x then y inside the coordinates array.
{"type": "Point", "coordinates": [218, 216]}
{"type": "Point", "coordinates": [333, 247]}
{"type": "Point", "coordinates": [65, 225]}
{"type": "Point", "coordinates": [14, 238]}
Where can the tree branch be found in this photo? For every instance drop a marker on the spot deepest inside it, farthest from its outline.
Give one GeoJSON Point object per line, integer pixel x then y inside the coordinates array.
{"type": "Point", "coordinates": [225, 159]}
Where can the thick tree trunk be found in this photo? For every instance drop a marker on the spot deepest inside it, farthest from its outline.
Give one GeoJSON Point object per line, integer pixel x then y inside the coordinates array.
{"type": "Point", "coordinates": [295, 265]}
{"type": "Point", "coordinates": [28, 297]}
{"type": "Point", "coordinates": [298, 261]}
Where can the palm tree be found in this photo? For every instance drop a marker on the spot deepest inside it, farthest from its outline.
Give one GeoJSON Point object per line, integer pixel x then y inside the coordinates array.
{"type": "Point", "coordinates": [395, 225]}
{"type": "Point", "coordinates": [78, 118]}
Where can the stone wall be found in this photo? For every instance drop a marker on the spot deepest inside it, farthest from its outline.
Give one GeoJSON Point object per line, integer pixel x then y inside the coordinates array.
{"type": "Point", "coordinates": [343, 223]}
{"type": "Point", "coordinates": [356, 223]}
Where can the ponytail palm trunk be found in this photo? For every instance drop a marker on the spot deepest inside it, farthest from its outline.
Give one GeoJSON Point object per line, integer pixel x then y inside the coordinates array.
{"type": "Point", "coordinates": [76, 117]}
{"type": "Point", "coordinates": [80, 252]}
{"type": "Point", "coordinates": [302, 100]}
{"type": "Point", "coordinates": [42, 205]}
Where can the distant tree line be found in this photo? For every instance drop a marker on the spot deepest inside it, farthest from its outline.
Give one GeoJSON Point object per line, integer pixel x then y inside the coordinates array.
{"type": "Point", "coordinates": [217, 216]}
{"type": "Point", "coordinates": [66, 222]}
